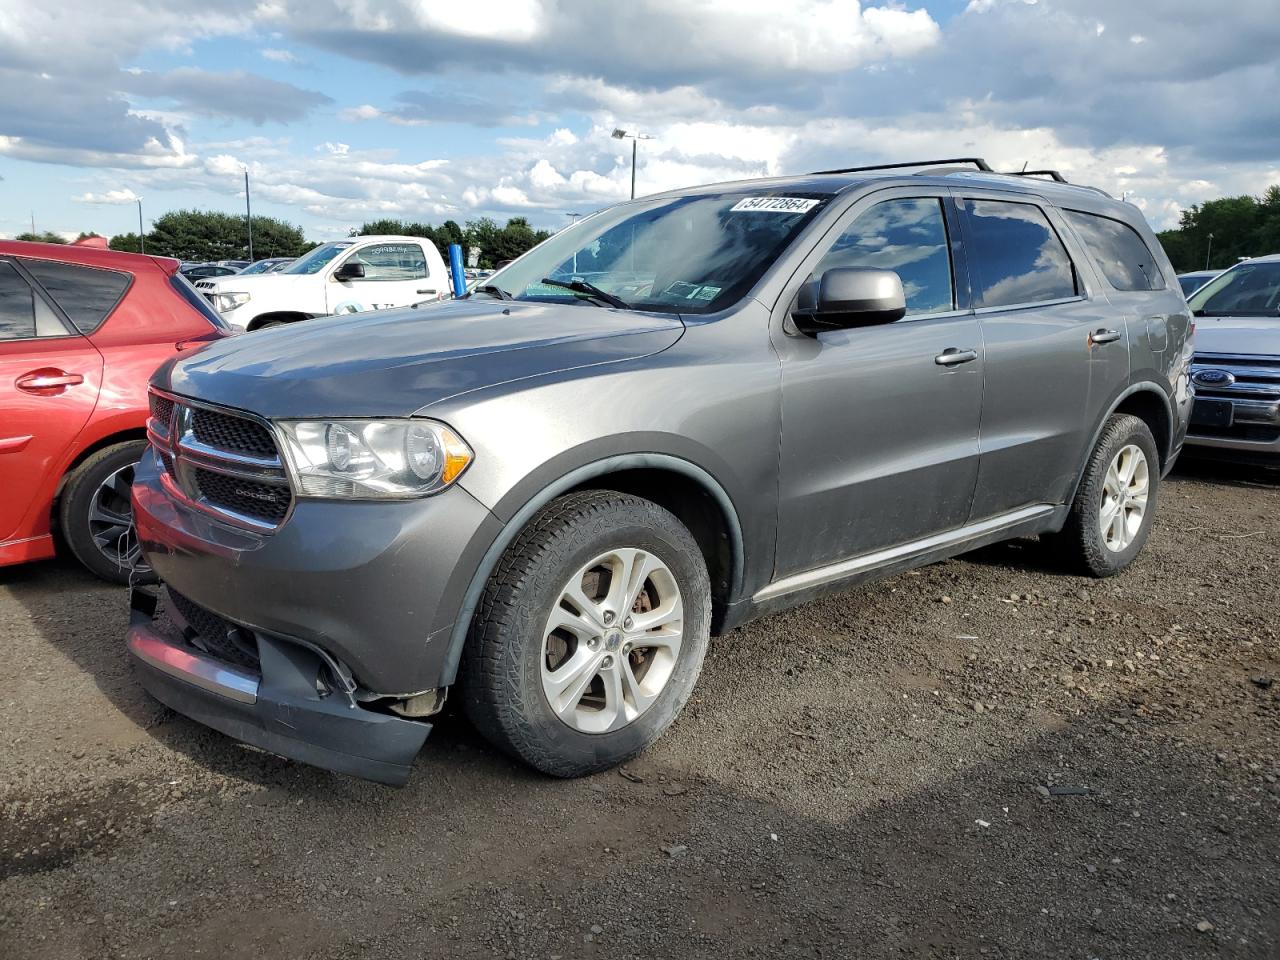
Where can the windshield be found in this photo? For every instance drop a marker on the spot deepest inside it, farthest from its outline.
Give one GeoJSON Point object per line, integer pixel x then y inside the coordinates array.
{"type": "Point", "coordinates": [1246, 290]}
{"type": "Point", "coordinates": [691, 254]}
{"type": "Point", "coordinates": [262, 266]}
{"type": "Point", "coordinates": [1193, 282]}
{"type": "Point", "coordinates": [317, 259]}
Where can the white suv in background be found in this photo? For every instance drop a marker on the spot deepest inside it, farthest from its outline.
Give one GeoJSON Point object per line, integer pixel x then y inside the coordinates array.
{"type": "Point", "coordinates": [342, 276]}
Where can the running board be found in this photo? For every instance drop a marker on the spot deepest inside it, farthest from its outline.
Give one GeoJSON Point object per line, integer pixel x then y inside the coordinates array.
{"type": "Point", "coordinates": [846, 569]}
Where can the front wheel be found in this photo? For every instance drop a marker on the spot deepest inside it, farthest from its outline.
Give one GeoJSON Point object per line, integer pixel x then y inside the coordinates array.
{"type": "Point", "coordinates": [96, 514]}
{"type": "Point", "coordinates": [1114, 508]}
{"type": "Point", "coordinates": [590, 634]}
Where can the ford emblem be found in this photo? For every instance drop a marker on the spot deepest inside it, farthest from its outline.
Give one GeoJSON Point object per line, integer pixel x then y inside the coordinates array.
{"type": "Point", "coordinates": [1213, 378]}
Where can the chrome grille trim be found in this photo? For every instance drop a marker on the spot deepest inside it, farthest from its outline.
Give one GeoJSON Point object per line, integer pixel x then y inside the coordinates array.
{"type": "Point", "coordinates": [183, 455]}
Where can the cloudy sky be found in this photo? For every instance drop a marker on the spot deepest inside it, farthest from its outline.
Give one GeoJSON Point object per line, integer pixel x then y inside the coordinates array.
{"type": "Point", "coordinates": [346, 110]}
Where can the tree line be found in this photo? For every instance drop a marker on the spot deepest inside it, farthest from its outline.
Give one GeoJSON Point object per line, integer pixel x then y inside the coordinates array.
{"type": "Point", "coordinates": [202, 235]}
{"type": "Point", "coordinates": [1240, 227]}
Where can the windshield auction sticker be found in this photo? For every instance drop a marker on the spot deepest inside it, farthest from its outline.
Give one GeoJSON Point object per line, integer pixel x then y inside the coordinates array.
{"type": "Point", "coordinates": [773, 205]}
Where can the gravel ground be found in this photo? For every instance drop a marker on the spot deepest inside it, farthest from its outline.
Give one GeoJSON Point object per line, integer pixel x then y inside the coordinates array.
{"type": "Point", "coordinates": [985, 758]}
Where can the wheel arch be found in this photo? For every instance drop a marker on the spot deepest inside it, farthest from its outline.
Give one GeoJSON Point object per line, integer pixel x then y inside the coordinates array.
{"type": "Point", "coordinates": [1148, 403]}
{"type": "Point", "coordinates": [108, 440]}
{"type": "Point", "coordinates": [672, 482]}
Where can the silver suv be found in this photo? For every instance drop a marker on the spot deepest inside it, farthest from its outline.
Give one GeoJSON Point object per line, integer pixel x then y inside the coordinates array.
{"type": "Point", "coordinates": [679, 414]}
{"type": "Point", "coordinates": [1236, 371]}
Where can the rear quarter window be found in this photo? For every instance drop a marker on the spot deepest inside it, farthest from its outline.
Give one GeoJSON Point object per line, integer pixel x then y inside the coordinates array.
{"type": "Point", "coordinates": [1015, 257]}
{"type": "Point", "coordinates": [1118, 250]}
{"type": "Point", "coordinates": [87, 295]}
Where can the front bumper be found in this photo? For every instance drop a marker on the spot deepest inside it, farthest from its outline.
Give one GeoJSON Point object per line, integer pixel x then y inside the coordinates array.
{"type": "Point", "coordinates": [285, 707]}
{"type": "Point", "coordinates": [378, 585]}
{"type": "Point", "coordinates": [1253, 433]}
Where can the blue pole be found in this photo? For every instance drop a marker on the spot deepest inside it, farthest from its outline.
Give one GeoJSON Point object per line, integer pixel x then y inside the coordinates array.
{"type": "Point", "coordinates": [455, 268]}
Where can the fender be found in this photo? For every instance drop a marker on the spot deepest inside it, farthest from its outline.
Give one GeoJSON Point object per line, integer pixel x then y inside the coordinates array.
{"type": "Point", "coordinates": [568, 481]}
{"type": "Point", "coordinates": [1145, 386]}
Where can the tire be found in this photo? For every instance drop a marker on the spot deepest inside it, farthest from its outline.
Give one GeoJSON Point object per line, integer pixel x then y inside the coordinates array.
{"type": "Point", "coordinates": [1084, 544]}
{"type": "Point", "coordinates": [513, 659]}
{"type": "Point", "coordinates": [94, 502]}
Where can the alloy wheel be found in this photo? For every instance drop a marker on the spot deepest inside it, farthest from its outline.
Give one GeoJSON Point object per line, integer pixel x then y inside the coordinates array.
{"type": "Point", "coordinates": [612, 641]}
{"type": "Point", "coordinates": [1124, 498]}
{"type": "Point", "coordinates": [111, 519]}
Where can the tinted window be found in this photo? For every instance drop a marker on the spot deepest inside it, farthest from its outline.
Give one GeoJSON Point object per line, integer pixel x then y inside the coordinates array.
{"type": "Point", "coordinates": [906, 236]}
{"type": "Point", "coordinates": [17, 306]}
{"type": "Point", "coordinates": [86, 294]}
{"type": "Point", "coordinates": [1246, 290]}
{"type": "Point", "coordinates": [1121, 255]}
{"type": "Point", "coordinates": [189, 293]}
{"type": "Point", "coordinates": [1014, 255]}
{"type": "Point", "coordinates": [392, 261]}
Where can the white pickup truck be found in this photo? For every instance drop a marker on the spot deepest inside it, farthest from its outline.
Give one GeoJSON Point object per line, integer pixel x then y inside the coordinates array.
{"type": "Point", "coordinates": [342, 276]}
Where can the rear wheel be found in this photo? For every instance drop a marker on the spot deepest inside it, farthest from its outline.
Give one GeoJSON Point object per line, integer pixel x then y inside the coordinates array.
{"type": "Point", "coordinates": [1114, 508]}
{"type": "Point", "coordinates": [96, 514]}
{"type": "Point", "coordinates": [590, 634]}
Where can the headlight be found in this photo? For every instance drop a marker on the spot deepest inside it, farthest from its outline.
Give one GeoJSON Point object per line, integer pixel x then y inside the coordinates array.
{"type": "Point", "coordinates": [372, 459]}
{"type": "Point", "coordinates": [226, 302]}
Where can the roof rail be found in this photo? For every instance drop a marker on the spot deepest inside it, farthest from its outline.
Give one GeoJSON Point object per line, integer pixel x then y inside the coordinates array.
{"type": "Point", "coordinates": [1051, 174]}
{"type": "Point", "coordinates": [976, 161]}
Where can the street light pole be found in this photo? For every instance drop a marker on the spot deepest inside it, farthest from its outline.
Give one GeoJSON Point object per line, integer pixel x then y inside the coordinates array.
{"type": "Point", "coordinates": [635, 138]}
{"type": "Point", "coordinates": [248, 214]}
{"type": "Point", "coordinates": [142, 236]}
{"type": "Point", "coordinates": [1208, 252]}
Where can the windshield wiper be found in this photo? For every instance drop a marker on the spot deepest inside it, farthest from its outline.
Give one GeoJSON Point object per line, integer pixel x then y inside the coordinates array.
{"type": "Point", "coordinates": [590, 289]}
{"type": "Point", "coordinates": [493, 290]}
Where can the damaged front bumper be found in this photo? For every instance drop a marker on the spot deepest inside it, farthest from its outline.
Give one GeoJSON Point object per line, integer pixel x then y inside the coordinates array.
{"type": "Point", "coordinates": [291, 702]}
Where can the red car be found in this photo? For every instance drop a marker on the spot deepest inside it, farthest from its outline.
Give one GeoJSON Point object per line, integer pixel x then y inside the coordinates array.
{"type": "Point", "coordinates": [81, 331]}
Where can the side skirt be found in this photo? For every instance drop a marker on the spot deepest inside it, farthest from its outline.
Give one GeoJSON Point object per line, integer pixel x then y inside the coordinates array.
{"type": "Point", "coordinates": [811, 584]}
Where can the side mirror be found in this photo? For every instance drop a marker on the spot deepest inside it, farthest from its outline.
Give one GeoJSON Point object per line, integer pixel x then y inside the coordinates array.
{"type": "Point", "coordinates": [351, 270]}
{"type": "Point", "coordinates": [849, 297]}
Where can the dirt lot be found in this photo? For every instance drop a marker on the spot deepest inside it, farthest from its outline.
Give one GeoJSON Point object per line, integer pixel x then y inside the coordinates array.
{"type": "Point", "coordinates": [987, 758]}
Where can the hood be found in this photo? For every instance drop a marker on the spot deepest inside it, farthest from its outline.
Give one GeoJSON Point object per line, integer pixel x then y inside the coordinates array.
{"type": "Point", "coordinates": [394, 362]}
{"type": "Point", "coordinates": [1256, 336]}
{"type": "Point", "coordinates": [255, 282]}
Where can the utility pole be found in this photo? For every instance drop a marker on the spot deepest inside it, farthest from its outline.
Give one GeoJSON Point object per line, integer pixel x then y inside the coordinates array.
{"type": "Point", "coordinates": [248, 214]}
{"type": "Point", "coordinates": [635, 139]}
{"type": "Point", "coordinates": [1206, 253]}
{"type": "Point", "coordinates": [142, 234]}
{"type": "Point", "coordinates": [33, 222]}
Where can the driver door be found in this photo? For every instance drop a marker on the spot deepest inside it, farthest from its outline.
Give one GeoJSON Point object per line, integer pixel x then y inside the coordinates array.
{"type": "Point", "coordinates": [395, 275]}
{"type": "Point", "coordinates": [880, 423]}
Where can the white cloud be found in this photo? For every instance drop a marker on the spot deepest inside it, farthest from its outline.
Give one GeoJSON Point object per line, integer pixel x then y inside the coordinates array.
{"type": "Point", "coordinates": [279, 56]}
{"type": "Point", "coordinates": [110, 196]}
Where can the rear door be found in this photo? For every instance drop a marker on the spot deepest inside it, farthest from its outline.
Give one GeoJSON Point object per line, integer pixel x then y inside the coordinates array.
{"type": "Point", "coordinates": [1037, 318]}
{"type": "Point", "coordinates": [880, 423]}
{"type": "Point", "coordinates": [49, 382]}
{"type": "Point", "coordinates": [395, 275]}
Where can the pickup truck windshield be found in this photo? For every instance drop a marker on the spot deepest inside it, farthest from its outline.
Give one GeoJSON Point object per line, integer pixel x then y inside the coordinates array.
{"type": "Point", "coordinates": [315, 260]}
{"type": "Point", "coordinates": [693, 254]}
{"type": "Point", "coordinates": [1246, 290]}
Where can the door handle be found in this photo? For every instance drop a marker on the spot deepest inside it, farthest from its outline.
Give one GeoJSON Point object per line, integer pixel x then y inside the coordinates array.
{"type": "Point", "coordinates": [39, 380]}
{"type": "Point", "coordinates": [426, 291]}
{"type": "Point", "coordinates": [1104, 336]}
{"type": "Point", "coordinates": [952, 356]}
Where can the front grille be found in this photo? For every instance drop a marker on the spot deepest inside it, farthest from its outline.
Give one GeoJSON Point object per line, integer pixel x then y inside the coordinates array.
{"type": "Point", "coordinates": [222, 462]}
{"type": "Point", "coordinates": [214, 635]}
{"type": "Point", "coordinates": [262, 501]}
{"type": "Point", "coordinates": [232, 433]}
{"type": "Point", "coordinates": [161, 409]}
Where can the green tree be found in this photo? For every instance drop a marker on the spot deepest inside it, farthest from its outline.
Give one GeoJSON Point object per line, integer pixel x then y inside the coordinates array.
{"type": "Point", "coordinates": [1240, 226]}
{"type": "Point", "coordinates": [209, 235]}
{"type": "Point", "coordinates": [125, 242]}
{"type": "Point", "coordinates": [43, 236]}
